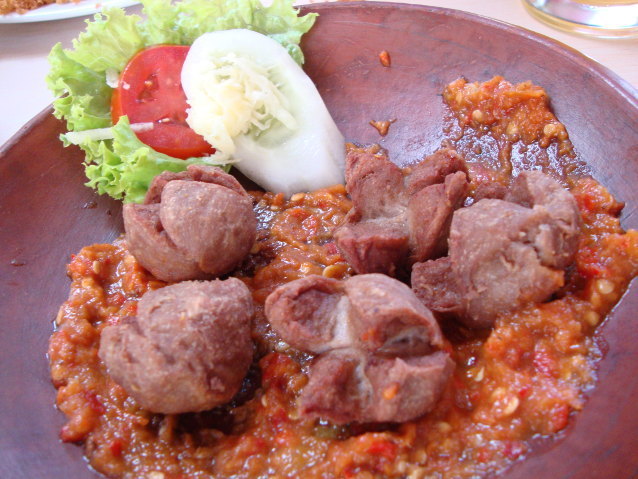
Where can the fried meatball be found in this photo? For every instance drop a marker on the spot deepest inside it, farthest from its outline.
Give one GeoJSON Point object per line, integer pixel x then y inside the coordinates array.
{"type": "Point", "coordinates": [193, 225]}
{"type": "Point", "coordinates": [399, 216]}
{"type": "Point", "coordinates": [187, 350]}
{"type": "Point", "coordinates": [503, 254]}
{"type": "Point", "coordinates": [379, 349]}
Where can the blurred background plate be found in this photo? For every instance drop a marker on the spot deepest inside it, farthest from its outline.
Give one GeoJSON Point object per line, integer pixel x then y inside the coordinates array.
{"type": "Point", "coordinates": [58, 11]}
{"type": "Point", "coordinates": [47, 213]}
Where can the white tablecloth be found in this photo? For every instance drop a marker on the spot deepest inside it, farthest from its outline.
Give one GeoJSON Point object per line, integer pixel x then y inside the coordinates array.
{"type": "Point", "coordinates": [24, 48]}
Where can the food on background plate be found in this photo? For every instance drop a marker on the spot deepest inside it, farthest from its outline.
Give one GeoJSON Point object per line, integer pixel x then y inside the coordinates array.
{"type": "Point", "coordinates": [23, 6]}
{"type": "Point", "coordinates": [116, 68]}
{"type": "Point", "coordinates": [351, 375]}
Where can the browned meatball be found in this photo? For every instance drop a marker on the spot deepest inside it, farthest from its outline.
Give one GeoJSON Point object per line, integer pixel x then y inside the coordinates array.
{"type": "Point", "coordinates": [399, 217]}
{"type": "Point", "coordinates": [534, 189]}
{"type": "Point", "coordinates": [387, 318]}
{"type": "Point", "coordinates": [379, 347]}
{"type": "Point", "coordinates": [187, 350]}
{"type": "Point", "coordinates": [371, 312]}
{"type": "Point", "coordinates": [347, 386]}
{"type": "Point", "coordinates": [195, 224]}
{"type": "Point", "coordinates": [430, 215]}
{"type": "Point", "coordinates": [306, 313]}
{"type": "Point", "coordinates": [374, 246]}
{"type": "Point", "coordinates": [494, 248]}
{"type": "Point", "coordinates": [375, 185]}
{"type": "Point", "coordinates": [503, 254]}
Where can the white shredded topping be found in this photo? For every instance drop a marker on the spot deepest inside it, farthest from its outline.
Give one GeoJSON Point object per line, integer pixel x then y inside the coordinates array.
{"type": "Point", "coordinates": [230, 96]}
{"type": "Point", "coordinates": [140, 127]}
{"type": "Point", "coordinates": [250, 100]}
{"type": "Point", "coordinates": [219, 158]}
{"type": "Point", "coordinates": [77, 137]}
{"type": "Point", "coordinates": [112, 77]}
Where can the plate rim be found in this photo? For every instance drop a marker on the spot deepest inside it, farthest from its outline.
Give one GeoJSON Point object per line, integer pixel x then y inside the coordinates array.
{"type": "Point", "coordinates": [623, 86]}
{"type": "Point", "coordinates": [61, 11]}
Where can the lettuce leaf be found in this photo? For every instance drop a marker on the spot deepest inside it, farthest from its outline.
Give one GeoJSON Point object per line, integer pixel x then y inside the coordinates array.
{"type": "Point", "coordinates": [124, 167]}
{"type": "Point", "coordinates": [182, 23]}
{"type": "Point", "coordinates": [84, 97]}
{"type": "Point", "coordinates": [109, 42]}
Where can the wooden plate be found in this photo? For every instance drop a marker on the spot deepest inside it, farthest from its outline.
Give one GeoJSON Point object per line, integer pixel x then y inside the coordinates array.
{"type": "Point", "coordinates": [47, 214]}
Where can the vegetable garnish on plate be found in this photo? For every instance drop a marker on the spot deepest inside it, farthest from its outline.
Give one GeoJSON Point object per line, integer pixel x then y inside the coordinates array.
{"type": "Point", "coordinates": [149, 90]}
{"type": "Point", "coordinates": [149, 106]}
{"type": "Point", "coordinates": [250, 100]}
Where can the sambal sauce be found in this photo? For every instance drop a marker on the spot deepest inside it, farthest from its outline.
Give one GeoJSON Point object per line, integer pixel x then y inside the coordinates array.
{"type": "Point", "coordinates": [522, 379]}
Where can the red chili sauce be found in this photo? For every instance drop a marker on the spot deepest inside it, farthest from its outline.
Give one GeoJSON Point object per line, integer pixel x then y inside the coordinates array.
{"type": "Point", "coordinates": [525, 377]}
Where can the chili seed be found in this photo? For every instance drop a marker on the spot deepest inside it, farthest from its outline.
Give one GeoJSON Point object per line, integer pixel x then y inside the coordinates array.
{"type": "Point", "coordinates": [512, 129]}
{"type": "Point", "coordinates": [421, 456]}
{"type": "Point", "coordinates": [417, 473]}
{"type": "Point", "coordinates": [604, 286]}
{"type": "Point", "coordinates": [59, 317]}
{"type": "Point", "coordinates": [444, 427]}
{"type": "Point", "coordinates": [334, 270]}
{"type": "Point", "coordinates": [592, 317]}
{"type": "Point", "coordinates": [512, 406]}
{"type": "Point", "coordinates": [498, 394]}
{"type": "Point", "coordinates": [550, 129]}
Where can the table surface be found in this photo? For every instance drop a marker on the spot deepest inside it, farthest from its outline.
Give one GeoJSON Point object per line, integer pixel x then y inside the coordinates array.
{"type": "Point", "coordinates": [24, 48]}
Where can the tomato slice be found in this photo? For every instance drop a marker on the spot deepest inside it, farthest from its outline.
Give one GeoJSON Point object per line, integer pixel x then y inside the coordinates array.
{"type": "Point", "coordinates": [150, 90]}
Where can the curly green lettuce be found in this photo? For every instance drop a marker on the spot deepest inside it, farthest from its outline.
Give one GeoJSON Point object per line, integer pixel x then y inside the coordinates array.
{"type": "Point", "coordinates": [123, 167]}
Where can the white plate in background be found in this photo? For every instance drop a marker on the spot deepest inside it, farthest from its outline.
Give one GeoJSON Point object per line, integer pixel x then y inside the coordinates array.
{"type": "Point", "coordinates": [58, 11]}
